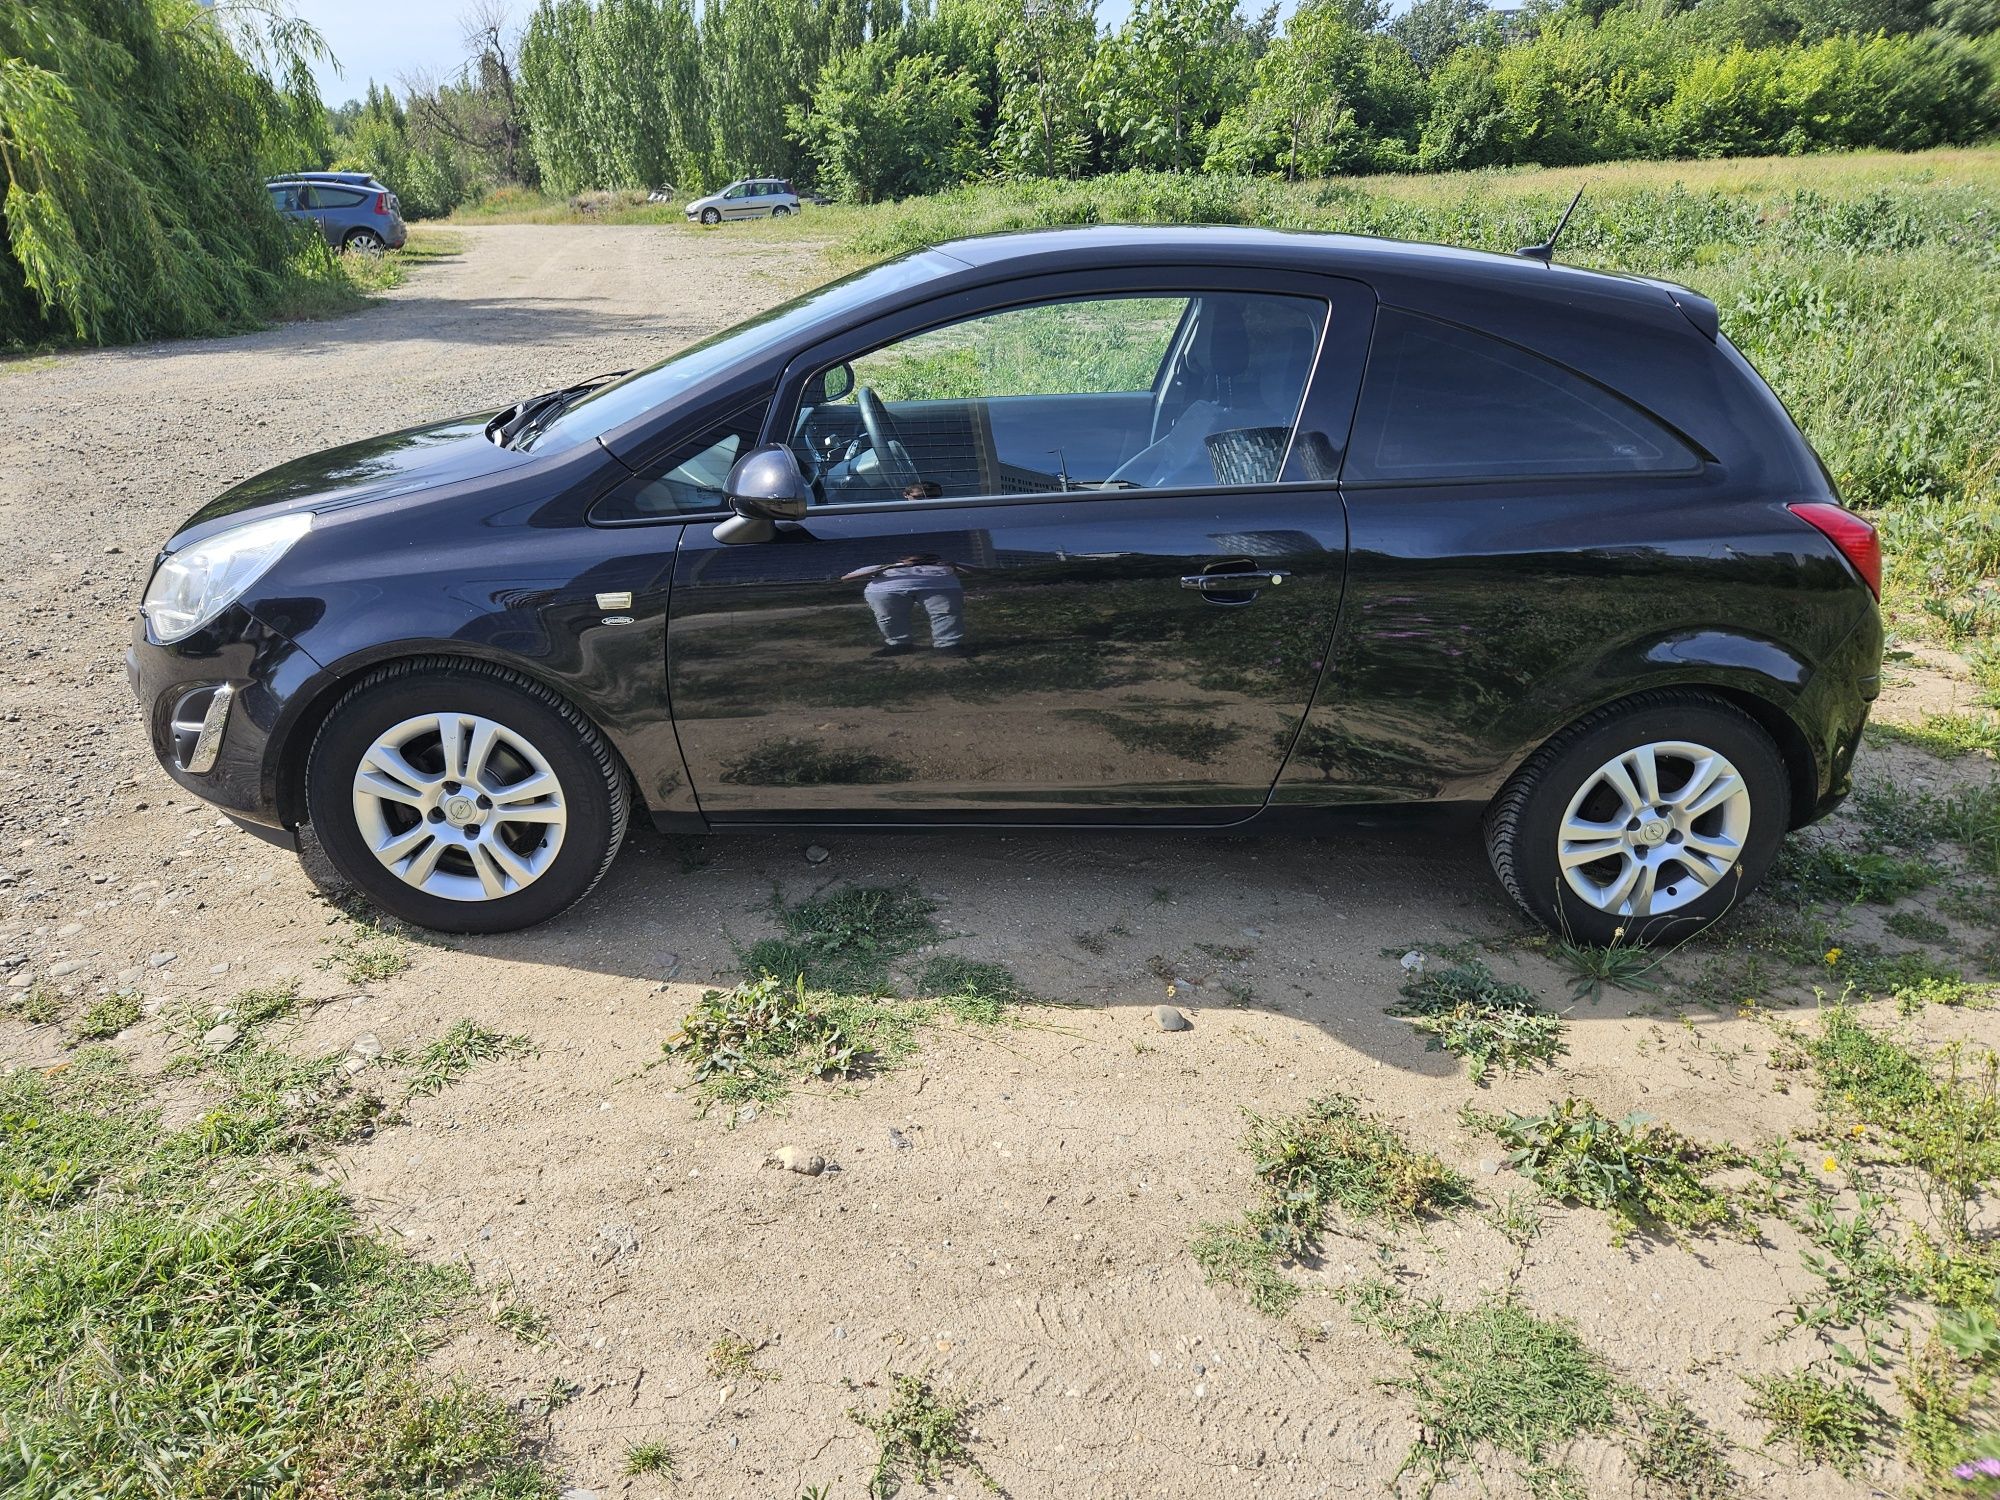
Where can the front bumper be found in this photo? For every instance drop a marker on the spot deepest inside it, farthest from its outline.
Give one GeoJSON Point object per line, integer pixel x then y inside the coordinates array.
{"type": "Point", "coordinates": [216, 706]}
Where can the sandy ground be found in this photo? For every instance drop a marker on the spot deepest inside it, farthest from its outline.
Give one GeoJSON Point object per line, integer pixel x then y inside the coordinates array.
{"type": "Point", "coordinates": [1012, 1210]}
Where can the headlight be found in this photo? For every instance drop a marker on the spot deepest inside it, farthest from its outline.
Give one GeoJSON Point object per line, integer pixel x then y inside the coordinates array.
{"type": "Point", "coordinates": [197, 583]}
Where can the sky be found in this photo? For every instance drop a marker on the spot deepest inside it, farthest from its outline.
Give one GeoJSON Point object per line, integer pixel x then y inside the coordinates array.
{"type": "Point", "coordinates": [386, 39]}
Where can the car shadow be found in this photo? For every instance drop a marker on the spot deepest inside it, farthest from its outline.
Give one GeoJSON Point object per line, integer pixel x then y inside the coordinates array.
{"type": "Point", "coordinates": [1310, 927]}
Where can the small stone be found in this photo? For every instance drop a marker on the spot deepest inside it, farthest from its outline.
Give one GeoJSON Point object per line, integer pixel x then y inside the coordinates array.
{"type": "Point", "coordinates": [1412, 962]}
{"type": "Point", "coordinates": [67, 967]}
{"type": "Point", "coordinates": [161, 959]}
{"type": "Point", "coordinates": [839, 1332]}
{"type": "Point", "coordinates": [353, 1066]}
{"type": "Point", "coordinates": [614, 1241]}
{"type": "Point", "coordinates": [220, 1038]}
{"type": "Point", "coordinates": [218, 968]}
{"type": "Point", "coordinates": [69, 929]}
{"type": "Point", "coordinates": [798, 1159]}
{"type": "Point", "coordinates": [746, 1114]}
{"type": "Point", "coordinates": [1170, 1019]}
{"type": "Point", "coordinates": [132, 975]}
{"type": "Point", "coordinates": [897, 1139]}
{"type": "Point", "coordinates": [1253, 932]}
{"type": "Point", "coordinates": [576, 1493]}
{"type": "Point", "coordinates": [152, 1005]}
{"type": "Point", "coordinates": [367, 1046]}
{"type": "Point", "coordinates": [669, 964]}
{"type": "Point", "coordinates": [1488, 1166]}
{"type": "Point", "coordinates": [816, 855]}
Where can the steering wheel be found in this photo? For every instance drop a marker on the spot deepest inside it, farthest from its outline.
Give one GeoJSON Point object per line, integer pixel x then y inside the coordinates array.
{"type": "Point", "coordinates": [895, 461]}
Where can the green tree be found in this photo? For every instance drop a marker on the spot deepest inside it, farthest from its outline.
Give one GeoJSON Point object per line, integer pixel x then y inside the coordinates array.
{"type": "Point", "coordinates": [1163, 79]}
{"type": "Point", "coordinates": [882, 125]}
{"type": "Point", "coordinates": [1044, 59]}
{"type": "Point", "coordinates": [1432, 30]}
{"type": "Point", "coordinates": [133, 137]}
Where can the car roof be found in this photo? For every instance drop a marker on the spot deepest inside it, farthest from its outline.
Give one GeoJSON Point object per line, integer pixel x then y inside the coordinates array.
{"type": "Point", "coordinates": [351, 179]}
{"type": "Point", "coordinates": [1386, 263]}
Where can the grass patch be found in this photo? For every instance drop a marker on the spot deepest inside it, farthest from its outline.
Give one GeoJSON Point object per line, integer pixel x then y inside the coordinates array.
{"type": "Point", "coordinates": [1813, 870]}
{"type": "Point", "coordinates": [178, 1320]}
{"type": "Point", "coordinates": [1649, 1178]}
{"type": "Point", "coordinates": [1917, 927]}
{"type": "Point", "coordinates": [106, 1017]}
{"type": "Point", "coordinates": [971, 989]}
{"type": "Point", "coordinates": [844, 940]}
{"type": "Point", "coordinates": [921, 1435]}
{"type": "Point", "coordinates": [366, 955]}
{"type": "Point", "coordinates": [1497, 1377]}
{"type": "Point", "coordinates": [650, 1456]}
{"type": "Point", "coordinates": [1329, 1156]}
{"type": "Point", "coordinates": [1678, 1456]}
{"type": "Point", "coordinates": [1940, 1117]}
{"type": "Point", "coordinates": [1822, 1421]}
{"type": "Point", "coordinates": [436, 1066]}
{"type": "Point", "coordinates": [39, 1004]}
{"type": "Point", "coordinates": [733, 1357]}
{"type": "Point", "coordinates": [1491, 1023]}
{"type": "Point", "coordinates": [1946, 735]}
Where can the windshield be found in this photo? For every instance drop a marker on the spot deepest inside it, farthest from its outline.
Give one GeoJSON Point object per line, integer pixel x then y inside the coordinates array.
{"type": "Point", "coordinates": [645, 390]}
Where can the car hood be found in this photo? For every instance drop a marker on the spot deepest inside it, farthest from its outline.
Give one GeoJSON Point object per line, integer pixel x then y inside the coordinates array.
{"type": "Point", "coordinates": [377, 468]}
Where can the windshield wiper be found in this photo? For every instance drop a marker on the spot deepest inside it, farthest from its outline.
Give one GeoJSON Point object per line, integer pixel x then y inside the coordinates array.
{"type": "Point", "coordinates": [538, 411]}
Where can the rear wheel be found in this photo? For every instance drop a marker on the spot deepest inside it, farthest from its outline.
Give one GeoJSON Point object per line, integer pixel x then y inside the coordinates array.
{"type": "Point", "coordinates": [1644, 822]}
{"type": "Point", "coordinates": [463, 798]}
{"type": "Point", "coordinates": [367, 241]}
{"type": "Point", "coordinates": [781, 212]}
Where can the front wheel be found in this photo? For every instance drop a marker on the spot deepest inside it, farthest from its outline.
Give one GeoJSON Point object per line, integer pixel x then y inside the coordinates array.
{"type": "Point", "coordinates": [711, 216]}
{"type": "Point", "coordinates": [460, 797]}
{"type": "Point", "coordinates": [1644, 822]}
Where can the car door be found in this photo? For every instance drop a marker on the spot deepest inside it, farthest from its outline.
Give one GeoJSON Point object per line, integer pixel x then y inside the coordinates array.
{"type": "Point", "coordinates": [1022, 615]}
{"type": "Point", "coordinates": [736, 203]}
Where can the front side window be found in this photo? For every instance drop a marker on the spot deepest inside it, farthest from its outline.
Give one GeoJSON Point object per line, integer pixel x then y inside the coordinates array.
{"type": "Point", "coordinates": [1146, 391]}
{"type": "Point", "coordinates": [690, 478]}
{"type": "Point", "coordinates": [1443, 402]}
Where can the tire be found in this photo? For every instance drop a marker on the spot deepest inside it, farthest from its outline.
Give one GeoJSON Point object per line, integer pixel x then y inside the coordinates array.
{"type": "Point", "coordinates": [781, 212]}
{"type": "Point", "coordinates": [711, 216]}
{"type": "Point", "coordinates": [1567, 801]}
{"type": "Point", "coordinates": [501, 853]}
{"type": "Point", "coordinates": [365, 242]}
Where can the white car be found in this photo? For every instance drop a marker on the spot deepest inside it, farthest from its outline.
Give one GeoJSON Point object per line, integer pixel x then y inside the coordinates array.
{"type": "Point", "coordinates": [750, 198]}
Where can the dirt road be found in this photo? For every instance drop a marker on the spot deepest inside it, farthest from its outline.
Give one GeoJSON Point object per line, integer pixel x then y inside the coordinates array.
{"type": "Point", "coordinates": [1011, 1210]}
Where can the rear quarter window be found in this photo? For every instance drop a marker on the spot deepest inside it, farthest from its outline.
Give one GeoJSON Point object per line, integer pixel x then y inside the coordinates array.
{"type": "Point", "coordinates": [326, 197]}
{"type": "Point", "coordinates": [1443, 402]}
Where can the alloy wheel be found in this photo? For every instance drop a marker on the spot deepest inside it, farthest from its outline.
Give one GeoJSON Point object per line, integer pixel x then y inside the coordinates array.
{"type": "Point", "coordinates": [1654, 828]}
{"type": "Point", "coordinates": [459, 806]}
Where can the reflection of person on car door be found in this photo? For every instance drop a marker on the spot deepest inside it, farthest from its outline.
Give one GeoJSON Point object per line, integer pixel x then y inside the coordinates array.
{"type": "Point", "coordinates": [895, 589]}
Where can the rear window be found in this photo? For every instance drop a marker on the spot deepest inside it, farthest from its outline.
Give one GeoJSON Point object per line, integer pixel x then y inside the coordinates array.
{"type": "Point", "coordinates": [1443, 402]}
{"type": "Point", "coordinates": [333, 197]}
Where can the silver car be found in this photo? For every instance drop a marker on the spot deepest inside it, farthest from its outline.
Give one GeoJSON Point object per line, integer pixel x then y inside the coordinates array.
{"type": "Point", "coordinates": [749, 198]}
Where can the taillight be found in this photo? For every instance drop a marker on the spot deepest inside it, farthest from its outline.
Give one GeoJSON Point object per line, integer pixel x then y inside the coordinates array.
{"type": "Point", "coordinates": [1857, 540]}
{"type": "Point", "coordinates": [381, 203]}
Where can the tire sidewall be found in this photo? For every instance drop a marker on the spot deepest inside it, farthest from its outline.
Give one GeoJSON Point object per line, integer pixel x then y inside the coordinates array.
{"type": "Point", "coordinates": [359, 718]}
{"type": "Point", "coordinates": [1725, 730]}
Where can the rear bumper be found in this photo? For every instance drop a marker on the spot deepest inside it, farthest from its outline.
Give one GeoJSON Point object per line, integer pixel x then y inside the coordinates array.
{"type": "Point", "coordinates": [1834, 709]}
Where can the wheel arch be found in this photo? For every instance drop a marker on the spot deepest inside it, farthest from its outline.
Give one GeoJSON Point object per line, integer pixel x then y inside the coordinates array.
{"type": "Point", "coordinates": [303, 722]}
{"type": "Point", "coordinates": [1794, 747]}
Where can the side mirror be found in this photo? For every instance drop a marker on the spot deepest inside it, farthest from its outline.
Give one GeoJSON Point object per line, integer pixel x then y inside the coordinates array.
{"type": "Point", "coordinates": [829, 385]}
{"type": "Point", "coordinates": [767, 485]}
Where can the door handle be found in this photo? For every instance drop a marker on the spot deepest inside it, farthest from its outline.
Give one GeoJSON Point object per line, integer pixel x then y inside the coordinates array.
{"type": "Point", "coordinates": [1233, 583]}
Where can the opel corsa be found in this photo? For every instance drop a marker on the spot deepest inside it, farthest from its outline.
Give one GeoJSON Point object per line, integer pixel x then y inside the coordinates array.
{"type": "Point", "coordinates": [1092, 528]}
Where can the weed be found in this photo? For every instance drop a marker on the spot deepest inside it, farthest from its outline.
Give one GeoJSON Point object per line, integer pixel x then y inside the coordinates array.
{"type": "Point", "coordinates": [1225, 953]}
{"type": "Point", "coordinates": [39, 1005]}
{"type": "Point", "coordinates": [1646, 1176]}
{"type": "Point", "coordinates": [1163, 895]}
{"type": "Point", "coordinates": [1627, 966]}
{"type": "Point", "coordinates": [1677, 1455]}
{"type": "Point", "coordinates": [553, 1396]}
{"type": "Point", "coordinates": [970, 989]}
{"type": "Point", "coordinates": [107, 1017]}
{"type": "Point", "coordinates": [1498, 1377]}
{"type": "Point", "coordinates": [1938, 1405]}
{"type": "Point", "coordinates": [1945, 1124]}
{"type": "Point", "coordinates": [1854, 1256]}
{"type": "Point", "coordinates": [1518, 1218]}
{"type": "Point", "coordinates": [437, 1065]}
{"type": "Point", "coordinates": [845, 940]}
{"type": "Point", "coordinates": [528, 1324]}
{"type": "Point", "coordinates": [652, 1456]}
{"type": "Point", "coordinates": [733, 1357]}
{"type": "Point", "coordinates": [1946, 735]}
{"type": "Point", "coordinates": [1239, 1255]}
{"type": "Point", "coordinates": [1823, 1421]}
{"type": "Point", "coordinates": [744, 1040]}
{"type": "Point", "coordinates": [364, 955]}
{"type": "Point", "coordinates": [1813, 870]}
{"type": "Point", "coordinates": [1917, 927]}
{"type": "Point", "coordinates": [1093, 943]}
{"type": "Point", "coordinates": [922, 1435]}
{"type": "Point", "coordinates": [1489, 1022]}
{"type": "Point", "coordinates": [1328, 1156]}
{"type": "Point", "coordinates": [271, 1002]}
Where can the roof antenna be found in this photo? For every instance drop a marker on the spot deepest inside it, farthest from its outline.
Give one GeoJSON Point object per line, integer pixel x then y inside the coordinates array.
{"type": "Point", "coordinates": [1545, 251]}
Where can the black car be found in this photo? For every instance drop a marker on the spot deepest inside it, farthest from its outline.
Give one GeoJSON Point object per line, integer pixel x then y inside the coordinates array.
{"type": "Point", "coordinates": [1104, 527]}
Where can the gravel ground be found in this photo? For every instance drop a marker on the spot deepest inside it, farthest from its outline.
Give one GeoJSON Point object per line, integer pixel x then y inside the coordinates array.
{"type": "Point", "coordinates": [1011, 1210]}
